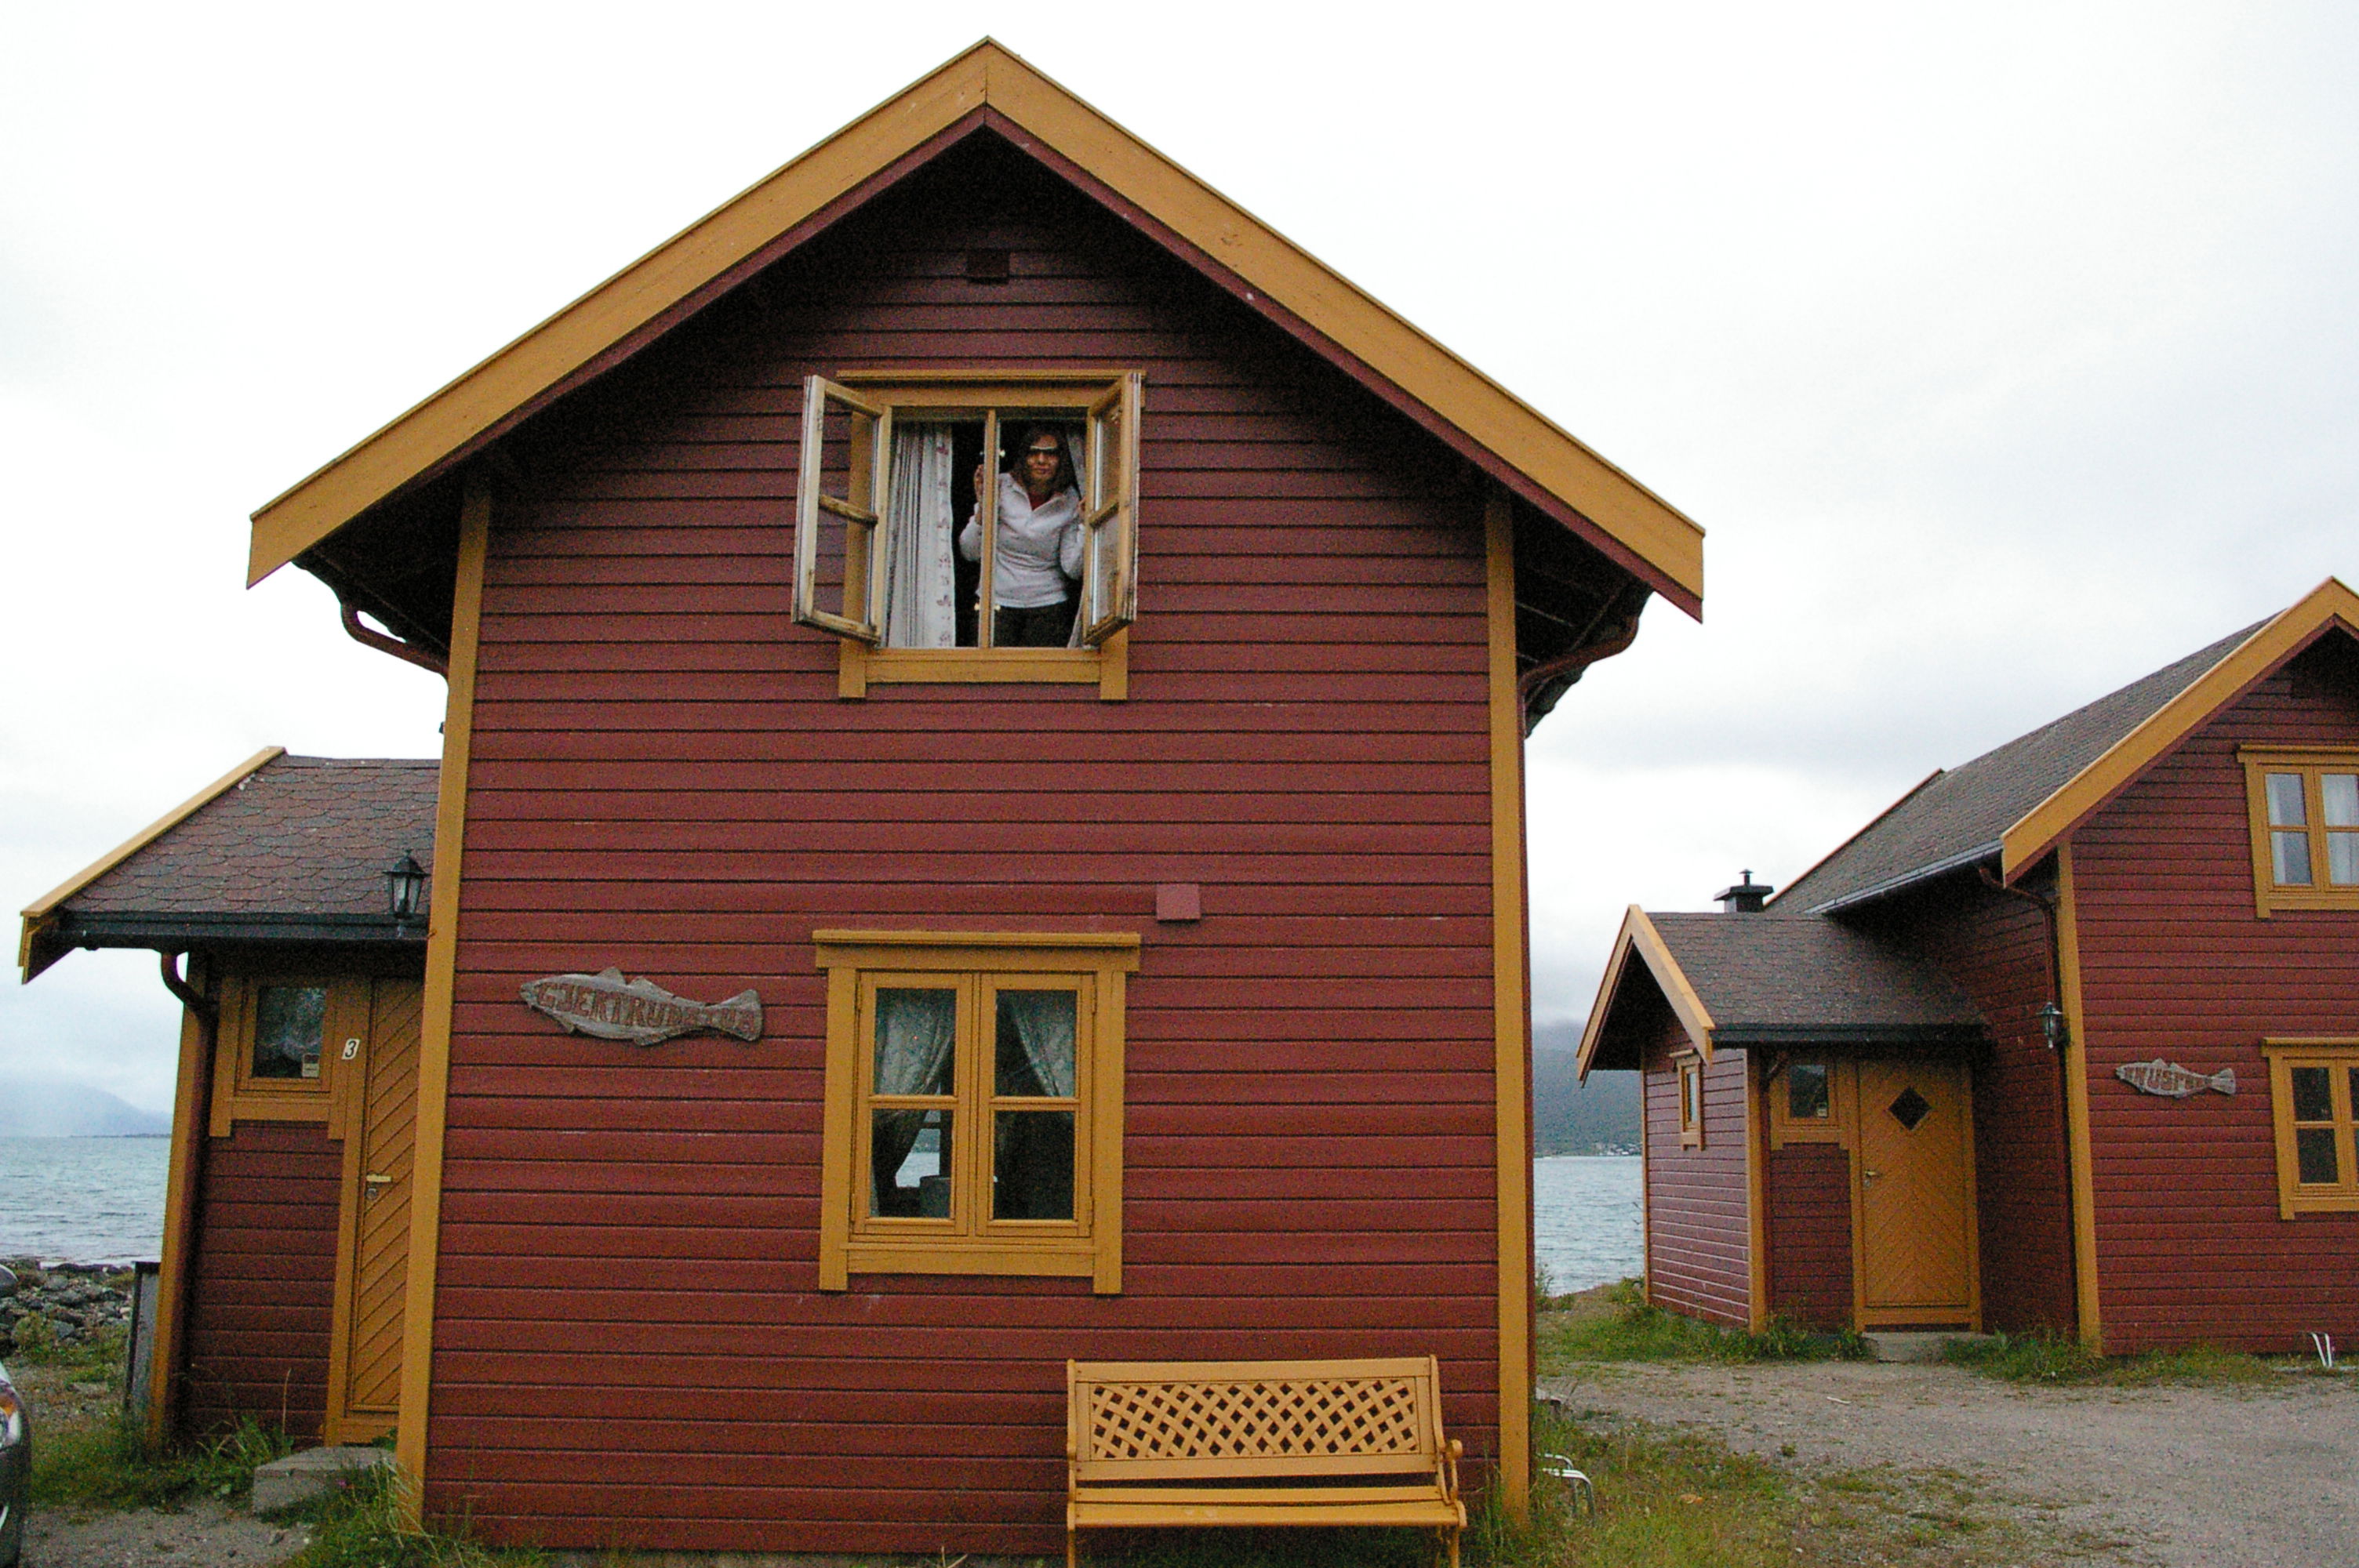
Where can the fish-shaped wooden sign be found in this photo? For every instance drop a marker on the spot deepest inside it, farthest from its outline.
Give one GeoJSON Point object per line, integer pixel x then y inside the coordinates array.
{"type": "Point", "coordinates": [2168, 1078]}
{"type": "Point", "coordinates": [611, 1008]}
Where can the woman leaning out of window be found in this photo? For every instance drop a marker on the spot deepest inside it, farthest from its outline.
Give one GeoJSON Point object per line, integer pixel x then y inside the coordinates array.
{"type": "Point", "coordinates": [1035, 569]}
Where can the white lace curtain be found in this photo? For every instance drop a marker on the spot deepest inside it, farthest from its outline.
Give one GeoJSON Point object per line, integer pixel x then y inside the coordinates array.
{"type": "Point", "coordinates": [921, 586]}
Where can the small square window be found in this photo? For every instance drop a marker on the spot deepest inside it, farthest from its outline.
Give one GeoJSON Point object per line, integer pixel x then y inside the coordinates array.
{"type": "Point", "coordinates": [1807, 1096]}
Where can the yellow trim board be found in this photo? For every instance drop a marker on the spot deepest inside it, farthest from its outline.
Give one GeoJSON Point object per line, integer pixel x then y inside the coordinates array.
{"type": "Point", "coordinates": [1510, 1014]}
{"type": "Point", "coordinates": [1638, 936]}
{"type": "Point", "coordinates": [36, 912]}
{"type": "Point", "coordinates": [435, 1019]}
{"type": "Point", "coordinates": [2076, 1107]}
{"type": "Point", "coordinates": [445, 423]}
{"type": "Point", "coordinates": [2047, 824]}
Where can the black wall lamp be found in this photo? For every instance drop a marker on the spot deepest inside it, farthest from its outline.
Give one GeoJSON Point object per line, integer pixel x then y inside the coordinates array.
{"type": "Point", "coordinates": [405, 888]}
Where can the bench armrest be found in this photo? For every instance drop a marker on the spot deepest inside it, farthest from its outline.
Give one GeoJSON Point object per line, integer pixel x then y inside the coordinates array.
{"type": "Point", "coordinates": [1450, 1452]}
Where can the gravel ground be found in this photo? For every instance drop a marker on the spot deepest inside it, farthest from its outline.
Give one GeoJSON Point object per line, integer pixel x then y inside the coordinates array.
{"type": "Point", "coordinates": [2265, 1477]}
{"type": "Point", "coordinates": [206, 1536]}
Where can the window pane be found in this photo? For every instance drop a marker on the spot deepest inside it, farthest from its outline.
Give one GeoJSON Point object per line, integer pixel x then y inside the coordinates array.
{"type": "Point", "coordinates": [288, 1022]}
{"type": "Point", "coordinates": [1032, 1165]}
{"type": "Point", "coordinates": [909, 1163]}
{"type": "Point", "coordinates": [2285, 801]}
{"type": "Point", "coordinates": [915, 1030]}
{"type": "Point", "coordinates": [2313, 1094]}
{"type": "Point", "coordinates": [1036, 1043]}
{"type": "Point", "coordinates": [2355, 1091]}
{"type": "Point", "coordinates": [2291, 855]}
{"type": "Point", "coordinates": [2338, 799]}
{"type": "Point", "coordinates": [1806, 1090]}
{"type": "Point", "coordinates": [2314, 1149]}
{"type": "Point", "coordinates": [1690, 1097]}
{"type": "Point", "coordinates": [2343, 859]}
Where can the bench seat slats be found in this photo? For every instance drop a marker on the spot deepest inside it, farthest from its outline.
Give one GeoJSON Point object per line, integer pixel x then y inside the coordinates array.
{"type": "Point", "coordinates": [1135, 1428]}
{"type": "Point", "coordinates": [1433, 1516]}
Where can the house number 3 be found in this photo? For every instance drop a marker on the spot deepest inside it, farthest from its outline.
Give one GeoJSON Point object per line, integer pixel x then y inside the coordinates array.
{"type": "Point", "coordinates": [351, 1047]}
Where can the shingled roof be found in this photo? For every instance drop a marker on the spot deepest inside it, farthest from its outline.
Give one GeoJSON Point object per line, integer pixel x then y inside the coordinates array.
{"type": "Point", "coordinates": [284, 849]}
{"type": "Point", "coordinates": [1960, 817]}
{"type": "Point", "coordinates": [1768, 980]}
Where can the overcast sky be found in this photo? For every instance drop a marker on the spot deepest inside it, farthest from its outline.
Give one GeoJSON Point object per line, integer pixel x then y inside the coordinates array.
{"type": "Point", "coordinates": [2006, 352]}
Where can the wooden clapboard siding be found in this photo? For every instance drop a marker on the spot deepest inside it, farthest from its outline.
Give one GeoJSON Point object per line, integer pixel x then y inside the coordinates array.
{"type": "Point", "coordinates": [1809, 1194]}
{"type": "Point", "coordinates": [662, 778]}
{"type": "Point", "coordinates": [2175, 963]}
{"type": "Point", "coordinates": [1994, 946]}
{"type": "Point", "coordinates": [1699, 1222]}
{"type": "Point", "coordinates": [262, 1285]}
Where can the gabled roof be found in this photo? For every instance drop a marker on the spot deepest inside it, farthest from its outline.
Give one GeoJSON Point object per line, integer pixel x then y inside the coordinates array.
{"type": "Point", "coordinates": [279, 848]}
{"type": "Point", "coordinates": [989, 87]}
{"type": "Point", "coordinates": [2015, 804]}
{"type": "Point", "coordinates": [1766, 981]}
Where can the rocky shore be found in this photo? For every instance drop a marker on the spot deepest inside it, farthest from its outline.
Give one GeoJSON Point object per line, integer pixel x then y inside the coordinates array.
{"type": "Point", "coordinates": [62, 1304]}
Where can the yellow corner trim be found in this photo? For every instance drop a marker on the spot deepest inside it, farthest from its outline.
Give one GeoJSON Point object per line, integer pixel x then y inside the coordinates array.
{"type": "Point", "coordinates": [2285, 634]}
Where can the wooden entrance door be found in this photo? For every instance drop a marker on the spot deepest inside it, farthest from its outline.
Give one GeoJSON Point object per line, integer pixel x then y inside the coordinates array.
{"type": "Point", "coordinates": [373, 1267]}
{"type": "Point", "coordinates": [1915, 1194]}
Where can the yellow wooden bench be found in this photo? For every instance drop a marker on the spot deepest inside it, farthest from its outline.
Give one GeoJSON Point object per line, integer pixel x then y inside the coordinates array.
{"type": "Point", "coordinates": [1258, 1443]}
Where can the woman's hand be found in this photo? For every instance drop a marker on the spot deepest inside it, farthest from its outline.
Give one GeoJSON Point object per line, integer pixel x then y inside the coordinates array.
{"type": "Point", "coordinates": [979, 467]}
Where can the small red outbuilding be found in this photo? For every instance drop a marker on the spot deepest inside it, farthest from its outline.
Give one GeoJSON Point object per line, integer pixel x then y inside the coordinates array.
{"type": "Point", "coordinates": [2068, 1038]}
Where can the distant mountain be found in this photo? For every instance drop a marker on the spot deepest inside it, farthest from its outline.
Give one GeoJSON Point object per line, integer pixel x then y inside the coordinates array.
{"type": "Point", "coordinates": [1570, 1117]}
{"type": "Point", "coordinates": [33, 1109]}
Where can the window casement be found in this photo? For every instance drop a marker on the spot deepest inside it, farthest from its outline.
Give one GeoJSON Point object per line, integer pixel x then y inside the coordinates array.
{"type": "Point", "coordinates": [277, 1043]}
{"type": "Point", "coordinates": [2314, 1101]}
{"type": "Point", "coordinates": [884, 495]}
{"type": "Point", "coordinates": [973, 1121]}
{"type": "Point", "coordinates": [1809, 1100]}
{"type": "Point", "coordinates": [1690, 1072]}
{"type": "Point", "coordinates": [2305, 823]}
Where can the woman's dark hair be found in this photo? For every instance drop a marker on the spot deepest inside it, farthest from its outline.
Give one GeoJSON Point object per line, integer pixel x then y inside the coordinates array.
{"type": "Point", "coordinates": [1066, 478]}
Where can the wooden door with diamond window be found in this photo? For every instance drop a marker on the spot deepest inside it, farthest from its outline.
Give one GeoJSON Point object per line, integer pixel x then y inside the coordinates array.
{"type": "Point", "coordinates": [373, 1266]}
{"type": "Point", "coordinates": [1915, 1194]}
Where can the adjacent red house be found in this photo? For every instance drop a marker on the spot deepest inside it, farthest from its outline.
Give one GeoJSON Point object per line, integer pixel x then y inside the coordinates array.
{"type": "Point", "coordinates": [1155, 990]}
{"type": "Point", "coordinates": [2067, 1038]}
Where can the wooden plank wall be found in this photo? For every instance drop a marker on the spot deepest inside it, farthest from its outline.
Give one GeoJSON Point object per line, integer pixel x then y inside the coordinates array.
{"type": "Point", "coordinates": [1698, 1237]}
{"type": "Point", "coordinates": [1810, 1234]}
{"type": "Point", "coordinates": [664, 779]}
{"type": "Point", "coordinates": [1995, 946]}
{"type": "Point", "coordinates": [2175, 963]}
{"type": "Point", "coordinates": [262, 1285]}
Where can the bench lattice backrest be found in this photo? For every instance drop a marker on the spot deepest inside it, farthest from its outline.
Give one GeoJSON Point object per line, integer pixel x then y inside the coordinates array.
{"type": "Point", "coordinates": [1260, 1418]}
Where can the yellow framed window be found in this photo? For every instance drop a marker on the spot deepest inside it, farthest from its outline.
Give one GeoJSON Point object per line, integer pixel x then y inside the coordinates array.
{"type": "Point", "coordinates": [278, 1046]}
{"type": "Point", "coordinates": [2304, 805]}
{"type": "Point", "coordinates": [2314, 1102]}
{"type": "Point", "coordinates": [1690, 1070]}
{"type": "Point", "coordinates": [899, 547]}
{"type": "Point", "coordinates": [974, 1104]}
{"type": "Point", "coordinates": [1809, 1097]}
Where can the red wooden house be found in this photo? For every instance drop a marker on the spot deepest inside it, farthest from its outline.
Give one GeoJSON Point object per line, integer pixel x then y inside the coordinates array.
{"type": "Point", "coordinates": [2067, 1038]}
{"type": "Point", "coordinates": [1156, 994]}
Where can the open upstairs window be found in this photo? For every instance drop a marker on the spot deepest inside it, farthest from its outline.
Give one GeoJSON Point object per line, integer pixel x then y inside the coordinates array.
{"type": "Point", "coordinates": [970, 527]}
{"type": "Point", "coordinates": [2304, 805]}
{"type": "Point", "coordinates": [974, 1104]}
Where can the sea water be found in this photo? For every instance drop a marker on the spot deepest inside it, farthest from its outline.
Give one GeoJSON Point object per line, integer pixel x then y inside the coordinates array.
{"type": "Point", "coordinates": [84, 1200]}
{"type": "Point", "coordinates": [98, 1200]}
{"type": "Point", "coordinates": [1587, 1219]}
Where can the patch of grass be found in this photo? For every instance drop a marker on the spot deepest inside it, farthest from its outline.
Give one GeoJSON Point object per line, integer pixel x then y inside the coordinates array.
{"type": "Point", "coordinates": [361, 1526]}
{"type": "Point", "coordinates": [98, 1353]}
{"type": "Point", "coordinates": [1614, 1323]}
{"type": "Point", "coordinates": [2044, 1357]}
{"type": "Point", "coordinates": [110, 1465]}
{"type": "Point", "coordinates": [1676, 1500]}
